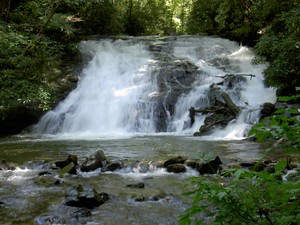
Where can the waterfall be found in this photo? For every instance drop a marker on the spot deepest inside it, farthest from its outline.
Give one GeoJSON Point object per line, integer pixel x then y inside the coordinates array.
{"type": "Point", "coordinates": [119, 93]}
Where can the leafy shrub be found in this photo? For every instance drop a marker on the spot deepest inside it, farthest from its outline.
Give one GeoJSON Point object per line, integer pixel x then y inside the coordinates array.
{"type": "Point", "coordinates": [249, 198]}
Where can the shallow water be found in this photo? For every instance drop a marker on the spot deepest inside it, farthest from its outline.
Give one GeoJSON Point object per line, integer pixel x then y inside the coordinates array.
{"type": "Point", "coordinates": [27, 198]}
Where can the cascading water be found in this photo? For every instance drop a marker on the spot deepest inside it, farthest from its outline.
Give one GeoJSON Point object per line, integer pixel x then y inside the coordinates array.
{"type": "Point", "coordinates": [119, 90]}
{"type": "Point", "coordinates": [216, 57]}
{"type": "Point", "coordinates": [107, 98]}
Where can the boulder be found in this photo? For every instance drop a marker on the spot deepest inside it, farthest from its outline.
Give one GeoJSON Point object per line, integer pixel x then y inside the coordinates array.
{"type": "Point", "coordinates": [176, 168]}
{"type": "Point", "coordinates": [267, 109]}
{"type": "Point", "coordinates": [219, 115]}
{"type": "Point", "coordinates": [112, 166]}
{"type": "Point", "coordinates": [67, 166]}
{"type": "Point", "coordinates": [95, 162]}
{"type": "Point", "coordinates": [85, 197]}
{"type": "Point", "coordinates": [174, 77]}
{"type": "Point", "coordinates": [71, 159]}
{"type": "Point", "coordinates": [210, 167]}
{"type": "Point", "coordinates": [70, 169]}
{"type": "Point", "coordinates": [175, 160]}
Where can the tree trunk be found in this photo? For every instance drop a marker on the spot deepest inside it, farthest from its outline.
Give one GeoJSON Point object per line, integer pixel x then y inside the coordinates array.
{"type": "Point", "coordinates": [233, 108]}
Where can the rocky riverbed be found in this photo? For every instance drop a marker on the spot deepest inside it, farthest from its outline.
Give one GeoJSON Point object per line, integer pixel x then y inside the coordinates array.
{"type": "Point", "coordinates": [136, 180]}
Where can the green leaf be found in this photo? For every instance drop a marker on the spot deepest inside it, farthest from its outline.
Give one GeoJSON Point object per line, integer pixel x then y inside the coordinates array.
{"type": "Point", "coordinates": [280, 165]}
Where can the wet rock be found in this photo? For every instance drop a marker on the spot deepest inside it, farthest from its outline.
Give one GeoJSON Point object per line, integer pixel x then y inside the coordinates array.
{"type": "Point", "coordinates": [85, 197]}
{"type": "Point", "coordinates": [95, 162]}
{"type": "Point", "coordinates": [267, 109]}
{"type": "Point", "coordinates": [51, 219]}
{"type": "Point", "coordinates": [210, 167]}
{"type": "Point", "coordinates": [232, 81]}
{"type": "Point", "coordinates": [57, 182]}
{"type": "Point", "coordinates": [137, 185]}
{"type": "Point", "coordinates": [43, 173]}
{"type": "Point", "coordinates": [175, 160]}
{"type": "Point", "coordinates": [144, 166]}
{"type": "Point", "coordinates": [176, 168]}
{"type": "Point", "coordinates": [45, 180]}
{"type": "Point", "coordinates": [4, 165]}
{"type": "Point", "coordinates": [81, 213]}
{"type": "Point", "coordinates": [247, 164]}
{"type": "Point", "coordinates": [293, 175]}
{"type": "Point", "coordinates": [155, 197]}
{"type": "Point", "coordinates": [270, 168]}
{"type": "Point", "coordinates": [175, 76]}
{"type": "Point", "coordinates": [71, 159]}
{"type": "Point", "coordinates": [221, 110]}
{"type": "Point", "coordinates": [116, 165]}
{"type": "Point", "coordinates": [70, 169]}
{"type": "Point", "coordinates": [191, 163]}
{"type": "Point", "coordinates": [258, 166]}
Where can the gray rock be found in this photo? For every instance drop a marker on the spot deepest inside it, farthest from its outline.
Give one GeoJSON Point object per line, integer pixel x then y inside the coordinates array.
{"type": "Point", "coordinates": [95, 162]}
{"type": "Point", "coordinates": [175, 160]}
{"type": "Point", "coordinates": [85, 197]}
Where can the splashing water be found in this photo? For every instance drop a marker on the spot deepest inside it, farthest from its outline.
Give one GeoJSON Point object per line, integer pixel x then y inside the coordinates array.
{"type": "Point", "coordinates": [115, 93]}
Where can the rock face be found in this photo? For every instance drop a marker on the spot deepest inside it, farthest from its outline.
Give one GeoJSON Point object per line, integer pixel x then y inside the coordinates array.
{"type": "Point", "coordinates": [222, 110]}
{"type": "Point", "coordinates": [174, 77]}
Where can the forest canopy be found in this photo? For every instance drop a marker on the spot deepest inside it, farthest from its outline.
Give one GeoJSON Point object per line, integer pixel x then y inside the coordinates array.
{"type": "Point", "coordinates": [38, 37]}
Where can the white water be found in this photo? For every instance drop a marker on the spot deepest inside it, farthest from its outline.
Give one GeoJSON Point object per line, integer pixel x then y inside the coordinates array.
{"type": "Point", "coordinates": [113, 95]}
{"type": "Point", "coordinates": [238, 61]}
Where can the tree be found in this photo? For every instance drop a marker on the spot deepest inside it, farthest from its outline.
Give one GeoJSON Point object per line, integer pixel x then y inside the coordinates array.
{"type": "Point", "coordinates": [280, 47]}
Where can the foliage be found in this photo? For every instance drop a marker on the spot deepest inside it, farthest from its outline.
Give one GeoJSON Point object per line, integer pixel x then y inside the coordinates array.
{"type": "Point", "coordinates": [283, 125]}
{"type": "Point", "coordinates": [100, 17]}
{"type": "Point", "coordinates": [249, 198]}
{"type": "Point", "coordinates": [280, 46]}
{"type": "Point", "coordinates": [31, 46]}
{"type": "Point", "coordinates": [272, 26]}
{"type": "Point", "coordinates": [23, 74]}
{"type": "Point", "coordinates": [202, 17]}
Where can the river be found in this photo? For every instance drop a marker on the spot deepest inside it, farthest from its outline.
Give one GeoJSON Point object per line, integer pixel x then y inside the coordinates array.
{"type": "Point", "coordinates": [118, 107]}
{"type": "Point", "coordinates": [28, 198]}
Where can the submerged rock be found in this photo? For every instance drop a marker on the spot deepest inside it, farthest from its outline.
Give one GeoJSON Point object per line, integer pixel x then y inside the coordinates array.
{"type": "Point", "coordinates": [85, 197]}
{"type": "Point", "coordinates": [137, 185]}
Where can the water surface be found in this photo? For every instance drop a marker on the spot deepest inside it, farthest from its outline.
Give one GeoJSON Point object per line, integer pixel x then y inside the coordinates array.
{"type": "Point", "coordinates": [28, 198]}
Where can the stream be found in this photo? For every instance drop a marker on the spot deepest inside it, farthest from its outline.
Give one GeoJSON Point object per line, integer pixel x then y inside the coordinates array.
{"type": "Point", "coordinates": [29, 198]}
{"type": "Point", "coordinates": [132, 102]}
